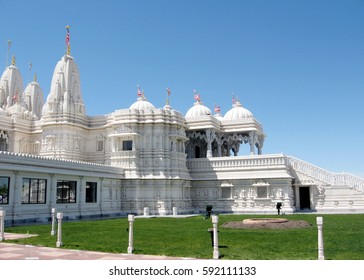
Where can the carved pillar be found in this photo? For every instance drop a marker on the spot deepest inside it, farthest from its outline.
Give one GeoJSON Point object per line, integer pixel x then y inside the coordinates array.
{"type": "Point", "coordinates": [209, 139]}
{"type": "Point", "coordinates": [252, 141]}
{"type": "Point", "coordinates": [17, 194]}
{"type": "Point", "coordinates": [81, 195]}
{"type": "Point", "coordinates": [260, 144]}
{"type": "Point", "coordinates": [52, 193]}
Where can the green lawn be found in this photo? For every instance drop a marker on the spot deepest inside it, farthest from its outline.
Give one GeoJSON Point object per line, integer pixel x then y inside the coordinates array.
{"type": "Point", "coordinates": [188, 237]}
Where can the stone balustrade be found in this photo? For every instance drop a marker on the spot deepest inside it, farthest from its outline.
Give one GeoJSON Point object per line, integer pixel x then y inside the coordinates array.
{"type": "Point", "coordinates": [224, 163]}
{"type": "Point", "coordinates": [276, 161]}
{"type": "Point", "coordinates": [325, 176]}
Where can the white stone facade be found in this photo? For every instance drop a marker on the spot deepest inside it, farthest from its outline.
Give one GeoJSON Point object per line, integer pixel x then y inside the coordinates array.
{"type": "Point", "coordinates": [53, 155]}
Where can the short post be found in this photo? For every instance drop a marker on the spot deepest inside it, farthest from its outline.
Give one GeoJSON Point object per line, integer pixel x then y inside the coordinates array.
{"type": "Point", "coordinates": [131, 241]}
{"type": "Point", "coordinates": [59, 235]}
{"type": "Point", "coordinates": [2, 222]}
{"type": "Point", "coordinates": [146, 211]}
{"type": "Point", "coordinates": [54, 213]}
{"type": "Point", "coordinates": [215, 220]}
{"type": "Point", "coordinates": [320, 223]}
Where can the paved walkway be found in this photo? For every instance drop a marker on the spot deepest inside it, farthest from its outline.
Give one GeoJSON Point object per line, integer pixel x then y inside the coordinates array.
{"type": "Point", "coordinates": [11, 251]}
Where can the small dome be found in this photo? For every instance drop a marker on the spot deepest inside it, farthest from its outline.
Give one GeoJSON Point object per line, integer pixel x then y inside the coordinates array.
{"type": "Point", "coordinates": [219, 116]}
{"type": "Point", "coordinates": [238, 112]}
{"type": "Point", "coordinates": [142, 104]}
{"type": "Point", "coordinates": [198, 110]}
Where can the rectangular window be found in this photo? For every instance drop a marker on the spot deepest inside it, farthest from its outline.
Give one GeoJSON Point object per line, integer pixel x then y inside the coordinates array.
{"type": "Point", "coordinates": [4, 190]}
{"type": "Point", "coordinates": [262, 192]}
{"type": "Point", "coordinates": [226, 192]}
{"type": "Point", "coordinates": [99, 145]}
{"type": "Point", "coordinates": [91, 192]}
{"type": "Point", "coordinates": [127, 145]}
{"type": "Point", "coordinates": [66, 191]}
{"type": "Point", "coordinates": [34, 191]}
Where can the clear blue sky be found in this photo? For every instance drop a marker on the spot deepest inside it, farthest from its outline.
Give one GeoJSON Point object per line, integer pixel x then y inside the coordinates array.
{"type": "Point", "coordinates": [298, 66]}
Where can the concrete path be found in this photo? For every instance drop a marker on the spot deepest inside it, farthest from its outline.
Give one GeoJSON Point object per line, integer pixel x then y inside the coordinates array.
{"type": "Point", "coordinates": [11, 251]}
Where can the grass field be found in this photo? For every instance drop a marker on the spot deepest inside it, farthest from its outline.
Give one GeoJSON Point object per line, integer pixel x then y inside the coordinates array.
{"type": "Point", "coordinates": [189, 237]}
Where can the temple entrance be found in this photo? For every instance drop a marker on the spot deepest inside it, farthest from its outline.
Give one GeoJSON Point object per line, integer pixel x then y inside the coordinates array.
{"type": "Point", "coordinates": [305, 198]}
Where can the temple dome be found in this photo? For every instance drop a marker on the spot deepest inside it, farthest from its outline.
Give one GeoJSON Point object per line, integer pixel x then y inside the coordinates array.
{"type": "Point", "coordinates": [65, 93]}
{"type": "Point", "coordinates": [198, 110]}
{"type": "Point", "coordinates": [11, 84]}
{"type": "Point", "coordinates": [33, 97]}
{"type": "Point", "coordinates": [219, 116]}
{"type": "Point", "coordinates": [238, 112]}
{"type": "Point", "coordinates": [142, 104]}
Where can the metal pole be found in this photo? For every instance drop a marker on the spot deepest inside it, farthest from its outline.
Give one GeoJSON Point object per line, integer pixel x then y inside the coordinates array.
{"type": "Point", "coordinates": [131, 241]}
{"type": "Point", "coordinates": [320, 223]}
{"type": "Point", "coordinates": [216, 254]}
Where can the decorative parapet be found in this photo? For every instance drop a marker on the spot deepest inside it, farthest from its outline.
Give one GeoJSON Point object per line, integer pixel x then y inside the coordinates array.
{"type": "Point", "coordinates": [48, 162]}
{"type": "Point", "coordinates": [241, 162]}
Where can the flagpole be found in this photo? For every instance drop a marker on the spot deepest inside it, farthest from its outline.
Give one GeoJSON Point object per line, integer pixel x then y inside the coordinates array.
{"type": "Point", "coordinates": [68, 45]}
{"type": "Point", "coordinates": [8, 54]}
{"type": "Point", "coordinates": [30, 71]}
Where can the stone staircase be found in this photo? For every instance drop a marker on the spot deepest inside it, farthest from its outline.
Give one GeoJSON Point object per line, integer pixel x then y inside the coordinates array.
{"type": "Point", "coordinates": [332, 192]}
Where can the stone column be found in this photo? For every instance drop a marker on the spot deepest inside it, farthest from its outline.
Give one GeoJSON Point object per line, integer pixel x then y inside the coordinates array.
{"type": "Point", "coordinates": [59, 235]}
{"type": "Point", "coordinates": [131, 238]}
{"type": "Point", "coordinates": [2, 227]}
{"type": "Point", "coordinates": [320, 223]}
{"type": "Point", "coordinates": [53, 214]}
{"type": "Point", "coordinates": [53, 192]}
{"type": "Point", "coordinates": [101, 196]}
{"type": "Point", "coordinates": [215, 220]}
{"type": "Point", "coordinates": [209, 138]}
{"type": "Point", "coordinates": [17, 194]}
{"type": "Point", "coordinates": [252, 141]}
{"type": "Point", "coordinates": [146, 211]}
{"type": "Point", "coordinates": [81, 196]}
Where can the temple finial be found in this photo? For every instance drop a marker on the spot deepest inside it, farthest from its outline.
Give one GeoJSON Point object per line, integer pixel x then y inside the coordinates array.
{"type": "Point", "coordinates": [35, 77]}
{"type": "Point", "coordinates": [68, 45]}
{"type": "Point", "coordinates": [13, 60]}
{"type": "Point", "coordinates": [196, 96]}
{"type": "Point", "coordinates": [168, 94]}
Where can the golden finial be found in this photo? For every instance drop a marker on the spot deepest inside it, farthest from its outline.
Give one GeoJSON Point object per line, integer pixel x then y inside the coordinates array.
{"type": "Point", "coordinates": [35, 77]}
{"type": "Point", "coordinates": [13, 60]}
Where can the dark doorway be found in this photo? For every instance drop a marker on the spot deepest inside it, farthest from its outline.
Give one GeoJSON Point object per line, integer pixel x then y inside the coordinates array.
{"type": "Point", "coordinates": [305, 198]}
{"type": "Point", "coordinates": [197, 152]}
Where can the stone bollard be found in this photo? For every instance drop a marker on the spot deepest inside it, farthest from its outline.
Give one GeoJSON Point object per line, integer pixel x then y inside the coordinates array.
{"type": "Point", "coordinates": [175, 211]}
{"type": "Point", "coordinates": [320, 223]}
{"type": "Point", "coordinates": [2, 227]}
{"type": "Point", "coordinates": [131, 241]}
{"type": "Point", "coordinates": [146, 211]}
{"type": "Point", "coordinates": [215, 220]}
{"type": "Point", "coordinates": [59, 235]}
{"type": "Point", "coordinates": [54, 213]}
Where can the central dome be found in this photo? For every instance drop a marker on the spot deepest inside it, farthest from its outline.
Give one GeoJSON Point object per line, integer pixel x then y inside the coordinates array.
{"type": "Point", "coordinates": [198, 110]}
{"type": "Point", "coordinates": [238, 112]}
{"type": "Point", "coordinates": [142, 105]}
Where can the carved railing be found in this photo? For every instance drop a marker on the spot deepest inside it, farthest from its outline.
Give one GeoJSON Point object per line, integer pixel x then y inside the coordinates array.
{"type": "Point", "coordinates": [325, 176]}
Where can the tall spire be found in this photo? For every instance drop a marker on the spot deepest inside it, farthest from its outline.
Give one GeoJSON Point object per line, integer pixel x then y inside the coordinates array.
{"type": "Point", "coordinates": [68, 45]}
